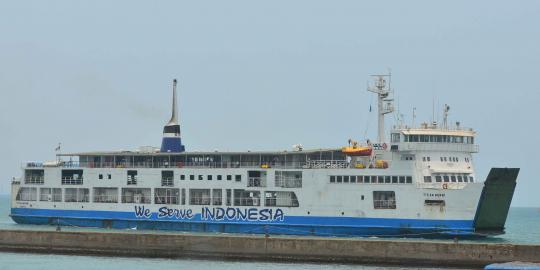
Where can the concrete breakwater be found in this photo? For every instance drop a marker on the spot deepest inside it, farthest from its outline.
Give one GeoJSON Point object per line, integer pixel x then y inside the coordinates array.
{"type": "Point", "coordinates": [255, 247]}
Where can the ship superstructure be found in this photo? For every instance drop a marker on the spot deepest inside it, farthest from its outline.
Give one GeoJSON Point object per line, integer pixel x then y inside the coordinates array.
{"type": "Point", "coordinates": [421, 182]}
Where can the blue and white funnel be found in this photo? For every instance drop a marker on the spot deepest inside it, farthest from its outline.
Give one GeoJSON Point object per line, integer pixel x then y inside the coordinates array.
{"type": "Point", "coordinates": [171, 132]}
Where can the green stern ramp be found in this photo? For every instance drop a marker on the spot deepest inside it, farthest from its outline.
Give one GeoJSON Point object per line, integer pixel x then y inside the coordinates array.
{"type": "Point", "coordinates": [495, 200]}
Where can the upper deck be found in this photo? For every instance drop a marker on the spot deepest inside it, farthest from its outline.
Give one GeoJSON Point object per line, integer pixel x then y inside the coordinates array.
{"type": "Point", "coordinates": [306, 159]}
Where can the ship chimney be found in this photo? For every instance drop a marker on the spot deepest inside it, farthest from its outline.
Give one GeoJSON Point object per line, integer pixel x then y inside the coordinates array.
{"type": "Point", "coordinates": [172, 141]}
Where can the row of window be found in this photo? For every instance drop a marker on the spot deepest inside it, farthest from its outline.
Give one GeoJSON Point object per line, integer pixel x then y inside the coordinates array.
{"type": "Point", "coordinates": [236, 197]}
{"type": "Point", "coordinates": [446, 159]}
{"type": "Point", "coordinates": [285, 179]}
{"type": "Point", "coordinates": [371, 179]}
{"type": "Point", "coordinates": [447, 178]}
{"type": "Point", "coordinates": [436, 139]}
{"type": "Point", "coordinates": [162, 196]}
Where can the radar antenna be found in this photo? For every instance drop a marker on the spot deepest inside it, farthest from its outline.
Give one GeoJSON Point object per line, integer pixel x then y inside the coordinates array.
{"type": "Point", "coordinates": [445, 116]}
{"type": "Point", "coordinates": [385, 104]}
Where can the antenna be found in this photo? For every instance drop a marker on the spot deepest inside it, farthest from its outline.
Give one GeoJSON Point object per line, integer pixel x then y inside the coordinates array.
{"type": "Point", "coordinates": [445, 116]}
{"type": "Point", "coordinates": [413, 116]}
{"type": "Point", "coordinates": [385, 103]}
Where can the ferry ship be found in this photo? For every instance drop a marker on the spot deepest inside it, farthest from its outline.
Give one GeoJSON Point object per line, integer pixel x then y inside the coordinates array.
{"type": "Point", "coordinates": [419, 183]}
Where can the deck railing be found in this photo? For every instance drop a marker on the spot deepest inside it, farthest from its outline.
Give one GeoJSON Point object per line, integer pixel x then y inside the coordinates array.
{"type": "Point", "coordinates": [311, 164]}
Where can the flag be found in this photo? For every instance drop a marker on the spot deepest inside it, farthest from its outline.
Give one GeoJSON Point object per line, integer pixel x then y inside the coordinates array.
{"type": "Point", "coordinates": [57, 148]}
{"type": "Point", "coordinates": [369, 108]}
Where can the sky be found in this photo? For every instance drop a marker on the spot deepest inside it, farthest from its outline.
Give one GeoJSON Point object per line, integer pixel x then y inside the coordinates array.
{"type": "Point", "coordinates": [96, 75]}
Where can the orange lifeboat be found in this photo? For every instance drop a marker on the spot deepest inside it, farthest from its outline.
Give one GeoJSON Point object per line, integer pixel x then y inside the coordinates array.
{"type": "Point", "coordinates": [357, 151]}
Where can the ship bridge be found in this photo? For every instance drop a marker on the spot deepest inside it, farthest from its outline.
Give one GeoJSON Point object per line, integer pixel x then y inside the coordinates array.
{"type": "Point", "coordinates": [428, 138]}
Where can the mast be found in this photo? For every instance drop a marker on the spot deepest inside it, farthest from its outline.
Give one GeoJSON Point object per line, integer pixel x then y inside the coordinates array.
{"type": "Point", "coordinates": [384, 102]}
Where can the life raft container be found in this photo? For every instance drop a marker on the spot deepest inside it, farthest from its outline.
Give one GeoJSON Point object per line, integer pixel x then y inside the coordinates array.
{"type": "Point", "coordinates": [357, 151]}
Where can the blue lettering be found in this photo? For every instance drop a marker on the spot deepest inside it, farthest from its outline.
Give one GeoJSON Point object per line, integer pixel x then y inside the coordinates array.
{"type": "Point", "coordinates": [231, 213]}
{"type": "Point", "coordinates": [278, 215]}
{"type": "Point", "coordinates": [265, 214]}
{"type": "Point", "coordinates": [252, 214]}
{"type": "Point", "coordinates": [163, 212]}
{"type": "Point", "coordinates": [220, 213]}
{"type": "Point", "coordinates": [142, 212]}
{"type": "Point", "coordinates": [241, 215]}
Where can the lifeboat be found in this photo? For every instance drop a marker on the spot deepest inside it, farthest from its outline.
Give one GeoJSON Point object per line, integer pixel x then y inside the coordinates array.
{"type": "Point", "coordinates": [357, 151]}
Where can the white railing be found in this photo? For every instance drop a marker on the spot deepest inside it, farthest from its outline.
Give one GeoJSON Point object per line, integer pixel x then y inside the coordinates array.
{"type": "Point", "coordinates": [384, 204]}
{"type": "Point", "coordinates": [274, 202]}
{"type": "Point", "coordinates": [326, 164]}
{"type": "Point", "coordinates": [136, 199]}
{"type": "Point", "coordinates": [314, 164]}
{"type": "Point", "coordinates": [72, 181]}
{"type": "Point", "coordinates": [256, 182]}
{"type": "Point", "coordinates": [34, 180]}
{"type": "Point", "coordinates": [105, 198]}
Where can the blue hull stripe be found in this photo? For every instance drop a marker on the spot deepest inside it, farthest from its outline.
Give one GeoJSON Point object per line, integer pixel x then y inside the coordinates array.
{"type": "Point", "coordinates": [295, 225]}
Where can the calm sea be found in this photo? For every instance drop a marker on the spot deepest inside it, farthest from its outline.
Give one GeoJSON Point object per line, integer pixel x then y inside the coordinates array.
{"type": "Point", "coordinates": [523, 226]}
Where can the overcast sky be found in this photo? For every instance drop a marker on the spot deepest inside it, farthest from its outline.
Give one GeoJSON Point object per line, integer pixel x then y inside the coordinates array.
{"type": "Point", "coordinates": [96, 75]}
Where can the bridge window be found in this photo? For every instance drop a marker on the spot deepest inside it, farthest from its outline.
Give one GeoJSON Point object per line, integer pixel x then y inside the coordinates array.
{"type": "Point", "coordinates": [427, 179]}
{"type": "Point", "coordinates": [332, 179]}
{"type": "Point", "coordinates": [34, 177]}
{"type": "Point", "coordinates": [446, 179]}
{"type": "Point", "coordinates": [453, 178]}
{"type": "Point", "coordinates": [27, 194]}
{"type": "Point", "coordinates": [353, 178]}
{"type": "Point", "coordinates": [106, 195]}
{"type": "Point", "coordinates": [77, 195]}
{"type": "Point", "coordinates": [471, 179]}
{"type": "Point", "coordinates": [384, 199]}
{"type": "Point", "coordinates": [394, 179]}
{"type": "Point", "coordinates": [166, 195]}
{"type": "Point", "coordinates": [395, 137]}
{"type": "Point", "coordinates": [408, 179]}
{"type": "Point", "coordinates": [281, 199]}
{"type": "Point", "coordinates": [402, 179]}
{"type": "Point", "coordinates": [136, 195]}
{"type": "Point", "coordinates": [438, 178]}
{"type": "Point", "coordinates": [238, 178]}
{"type": "Point", "coordinates": [247, 197]}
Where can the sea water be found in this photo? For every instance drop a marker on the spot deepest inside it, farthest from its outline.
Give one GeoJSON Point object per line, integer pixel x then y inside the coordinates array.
{"type": "Point", "coordinates": [522, 226]}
